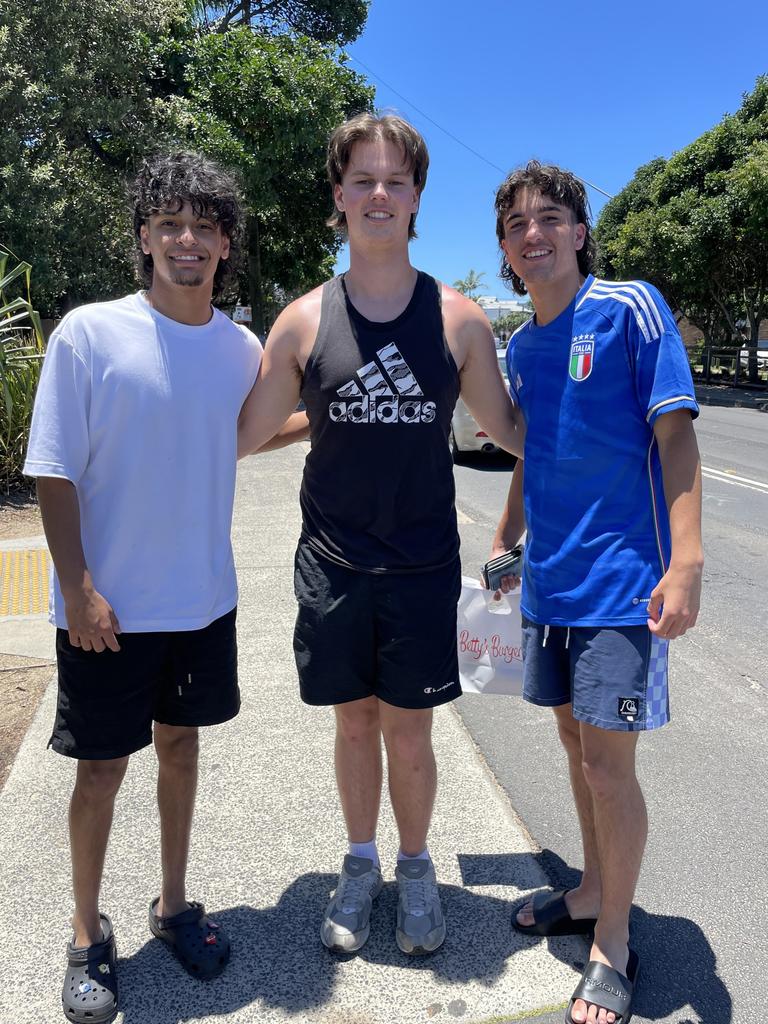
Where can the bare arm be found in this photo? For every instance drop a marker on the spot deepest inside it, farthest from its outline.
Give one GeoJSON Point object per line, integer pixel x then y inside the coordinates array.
{"type": "Point", "coordinates": [679, 590]}
{"type": "Point", "coordinates": [482, 385]}
{"type": "Point", "coordinates": [511, 525]}
{"type": "Point", "coordinates": [275, 394]}
{"type": "Point", "coordinates": [296, 428]}
{"type": "Point", "coordinates": [91, 621]}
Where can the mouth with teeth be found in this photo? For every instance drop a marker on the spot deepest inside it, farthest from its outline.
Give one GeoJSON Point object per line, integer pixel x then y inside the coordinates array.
{"type": "Point", "coordinates": [378, 215]}
{"type": "Point", "coordinates": [536, 254]}
{"type": "Point", "coordinates": [186, 258]}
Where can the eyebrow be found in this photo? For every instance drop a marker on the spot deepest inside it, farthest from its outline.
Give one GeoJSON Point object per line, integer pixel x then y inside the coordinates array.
{"type": "Point", "coordinates": [553, 207]}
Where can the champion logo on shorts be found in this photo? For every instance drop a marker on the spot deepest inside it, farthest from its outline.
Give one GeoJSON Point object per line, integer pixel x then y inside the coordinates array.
{"type": "Point", "coordinates": [629, 708]}
{"type": "Point", "coordinates": [438, 689]}
{"type": "Point", "coordinates": [389, 394]}
{"type": "Point", "coordinates": [582, 356]}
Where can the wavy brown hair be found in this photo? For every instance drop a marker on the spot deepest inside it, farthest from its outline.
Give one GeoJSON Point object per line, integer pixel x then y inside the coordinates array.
{"type": "Point", "coordinates": [563, 188]}
{"type": "Point", "coordinates": [167, 182]}
{"type": "Point", "coordinates": [370, 128]}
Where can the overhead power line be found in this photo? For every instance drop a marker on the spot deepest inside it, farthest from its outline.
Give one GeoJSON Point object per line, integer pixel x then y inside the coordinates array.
{"type": "Point", "coordinates": [455, 138]}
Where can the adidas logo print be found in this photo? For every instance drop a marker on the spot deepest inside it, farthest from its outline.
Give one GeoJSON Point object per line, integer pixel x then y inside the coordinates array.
{"type": "Point", "coordinates": [389, 394]}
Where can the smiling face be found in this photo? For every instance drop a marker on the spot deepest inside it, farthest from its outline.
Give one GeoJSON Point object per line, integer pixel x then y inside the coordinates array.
{"type": "Point", "coordinates": [541, 241]}
{"type": "Point", "coordinates": [185, 248]}
{"type": "Point", "coordinates": [377, 194]}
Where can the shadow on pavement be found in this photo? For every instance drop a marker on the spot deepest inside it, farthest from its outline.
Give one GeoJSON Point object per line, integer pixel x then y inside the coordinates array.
{"type": "Point", "coordinates": [678, 965]}
{"type": "Point", "coordinates": [278, 960]}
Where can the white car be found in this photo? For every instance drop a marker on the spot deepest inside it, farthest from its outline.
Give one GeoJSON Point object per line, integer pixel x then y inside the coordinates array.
{"type": "Point", "coordinates": [466, 434]}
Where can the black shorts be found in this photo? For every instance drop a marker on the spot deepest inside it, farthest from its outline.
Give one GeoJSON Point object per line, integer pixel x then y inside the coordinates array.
{"type": "Point", "coordinates": [109, 699]}
{"type": "Point", "coordinates": [388, 635]}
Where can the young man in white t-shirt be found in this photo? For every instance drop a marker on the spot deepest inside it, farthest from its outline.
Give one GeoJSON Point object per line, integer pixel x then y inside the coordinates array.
{"type": "Point", "coordinates": [134, 445]}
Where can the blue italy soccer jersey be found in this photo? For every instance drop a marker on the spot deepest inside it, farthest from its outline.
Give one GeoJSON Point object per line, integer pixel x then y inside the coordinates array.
{"type": "Point", "coordinates": [591, 385]}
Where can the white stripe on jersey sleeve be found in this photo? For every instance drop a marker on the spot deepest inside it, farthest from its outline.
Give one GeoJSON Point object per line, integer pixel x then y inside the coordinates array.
{"type": "Point", "coordinates": [634, 297]}
{"type": "Point", "coordinates": [668, 401]}
{"type": "Point", "coordinates": [634, 291]}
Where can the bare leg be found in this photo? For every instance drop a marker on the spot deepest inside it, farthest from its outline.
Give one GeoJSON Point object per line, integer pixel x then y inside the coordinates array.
{"type": "Point", "coordinates": [358, 766]}
{"type": "Point", "coordinates": [177, 753]}
{"type": "Point", "coordinates": [621, 826]}
{"type": "Point", "coordinates": [90, 820]}
{"type": "Point", "coordinates": [584, 900]}
{"type": "Point", "coordinates": [412, 772]}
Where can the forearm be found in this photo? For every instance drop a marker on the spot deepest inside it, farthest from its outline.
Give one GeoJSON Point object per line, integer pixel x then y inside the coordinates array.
{"type": "Point", "coordinates": [681, 470]}
{"type": "Point", "coordinates": [505, 426]}
{"type": "Point", "coordinates": [60, 511]}
{"type": "Point", "coordinates": [512, 522]}
{"type": "Point", "coordinates": [295, 428]}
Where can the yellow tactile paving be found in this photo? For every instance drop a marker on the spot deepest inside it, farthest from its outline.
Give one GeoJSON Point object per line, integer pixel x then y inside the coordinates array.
{"type": "Point", "coordinates": [23, 582]}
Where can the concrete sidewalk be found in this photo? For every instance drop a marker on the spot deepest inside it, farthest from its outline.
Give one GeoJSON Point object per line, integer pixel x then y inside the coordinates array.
{"type": "Point", "coordinates": [267, 844]}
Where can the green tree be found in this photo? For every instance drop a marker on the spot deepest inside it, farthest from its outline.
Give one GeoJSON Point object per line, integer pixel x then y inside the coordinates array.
{"type": "Point", "coordinates": [509, 322]}
{"type": "Point", "coordinates": [470, 284]}
{"type": "Point", "coordinates": [114, 79]}
{"type": "Point", "coordinates": [697, 226]}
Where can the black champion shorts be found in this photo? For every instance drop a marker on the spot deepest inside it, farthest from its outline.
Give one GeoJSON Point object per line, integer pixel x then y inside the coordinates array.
{"type": "Point", "coordinates": [109, 699]}
{"type": "Point", "coordinates": [391, 635]}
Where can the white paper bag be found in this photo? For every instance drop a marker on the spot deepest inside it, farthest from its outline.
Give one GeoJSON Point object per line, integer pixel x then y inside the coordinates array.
{"type": "Point", "coordinates": [490, 642]}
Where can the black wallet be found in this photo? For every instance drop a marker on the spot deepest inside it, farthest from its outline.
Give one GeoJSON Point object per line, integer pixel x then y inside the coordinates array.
{"type": "Point", "coordinates": [508, 564]}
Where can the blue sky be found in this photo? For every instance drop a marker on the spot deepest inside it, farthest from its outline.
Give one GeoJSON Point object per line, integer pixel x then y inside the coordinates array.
{"type": "Point", "coordinates": [600, 88]}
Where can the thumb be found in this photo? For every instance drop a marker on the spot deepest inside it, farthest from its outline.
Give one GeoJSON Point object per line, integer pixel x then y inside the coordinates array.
{"type": "Point", "coordinates": [654, 607]}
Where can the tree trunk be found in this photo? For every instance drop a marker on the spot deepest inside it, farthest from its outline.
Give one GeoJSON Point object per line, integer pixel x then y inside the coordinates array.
{"type": "Point", "coordinates": [255, 291]}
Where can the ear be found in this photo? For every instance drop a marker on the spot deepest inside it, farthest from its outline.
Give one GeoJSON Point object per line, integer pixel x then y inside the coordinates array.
{"type": "Point", "coordinates": [416, 200]}
{"type": "Point", "coordinates": [144, 239]}
{"type": "Point", "coordinates": [581, 236]}
{"type": "Point", "coordinates": [338, 198]}
{"type": "Point", "coordinates": [225, 244]}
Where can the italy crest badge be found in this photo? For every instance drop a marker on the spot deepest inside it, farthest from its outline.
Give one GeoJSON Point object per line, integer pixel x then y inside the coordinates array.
{"type": "Point", "coordinates": [582, 356]}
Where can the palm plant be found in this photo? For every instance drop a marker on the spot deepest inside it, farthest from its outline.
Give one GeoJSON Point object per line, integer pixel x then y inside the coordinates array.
{"type": "Point", "coordinates": [22, 348]}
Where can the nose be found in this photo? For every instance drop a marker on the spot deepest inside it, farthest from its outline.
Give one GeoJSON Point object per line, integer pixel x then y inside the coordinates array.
{"type": "Point", "coordinates": [379, 191]}
{"type": "Point", "coordinates": [532, 230]}
{"type": "Point", "coordinates": [186, 236]}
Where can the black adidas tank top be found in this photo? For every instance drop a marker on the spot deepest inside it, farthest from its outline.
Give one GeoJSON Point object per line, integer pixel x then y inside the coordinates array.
{"type": "Point", "coordinates": [378, 493]}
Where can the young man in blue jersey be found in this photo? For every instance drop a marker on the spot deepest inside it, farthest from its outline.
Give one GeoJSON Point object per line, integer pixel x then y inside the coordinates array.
{"type": "Point", "coordinates": [379, 356]}
{"type": "Point", "coordinates": [611, 498]}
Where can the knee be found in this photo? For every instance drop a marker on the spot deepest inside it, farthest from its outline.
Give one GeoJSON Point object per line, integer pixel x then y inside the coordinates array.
{"type": "Point", "coordinates": [99, 780]}
{"type": "Point", "coordinates": [357, 724]}
{"type": "Point", "coordinates": [605, 777]}
{"type": "Point", "coordinates": [177, 748]}
{"type": "Point", "coordinates": [409, 746]}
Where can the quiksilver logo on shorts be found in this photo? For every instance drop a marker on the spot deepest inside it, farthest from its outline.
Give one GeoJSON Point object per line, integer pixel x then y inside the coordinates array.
{"type": "Point", "coordinates": [387, 392]}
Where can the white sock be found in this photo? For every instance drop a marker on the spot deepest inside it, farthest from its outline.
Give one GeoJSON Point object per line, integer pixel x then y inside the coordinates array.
{"type": "Point", "coordinates": [365, 850]}
{"type": "Point", "coordinates": [424, 855]}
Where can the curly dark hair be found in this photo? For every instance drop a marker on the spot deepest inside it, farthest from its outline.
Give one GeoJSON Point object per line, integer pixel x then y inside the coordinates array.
{"type": "Point", "coordinates": [368, 127]}
{"type": "Point", "coordinates": [563, 188]}
{"type": "Point", "coordinates": [169, 180]}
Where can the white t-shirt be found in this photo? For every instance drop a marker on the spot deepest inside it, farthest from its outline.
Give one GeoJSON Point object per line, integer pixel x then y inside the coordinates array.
{"type": "Point", "coordinates": [140, 413]}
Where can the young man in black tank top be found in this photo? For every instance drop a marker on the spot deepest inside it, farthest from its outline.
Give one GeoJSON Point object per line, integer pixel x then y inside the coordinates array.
{"type": "Point", "coordinates": [379, 357]}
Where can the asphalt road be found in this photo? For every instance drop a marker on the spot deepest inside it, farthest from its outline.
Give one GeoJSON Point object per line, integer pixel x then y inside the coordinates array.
{"type": "Point", "coordinates": [702, 904]}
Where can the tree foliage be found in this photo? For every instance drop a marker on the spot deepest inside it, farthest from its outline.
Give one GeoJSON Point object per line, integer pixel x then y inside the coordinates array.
{"type": "Point", "coordinates": [114, 79]}
{"type": "Point", "coordinates": [470, 284]}
{"type": "Point", "coordinates": [696, 225]}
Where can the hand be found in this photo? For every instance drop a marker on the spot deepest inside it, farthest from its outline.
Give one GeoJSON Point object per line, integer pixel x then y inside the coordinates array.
{"type": "Point", "coordinates": [674, 604]}
{"type": "Point", "coordinates": [92, 622]}
{"type": "Point", "coordinates": [508, 583]}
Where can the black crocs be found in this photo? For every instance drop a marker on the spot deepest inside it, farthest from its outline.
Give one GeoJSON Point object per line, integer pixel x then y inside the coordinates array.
{"type": "Point", "coordinates": [89, 994]}
{"type": "Point", "coordinates": [200, 945]}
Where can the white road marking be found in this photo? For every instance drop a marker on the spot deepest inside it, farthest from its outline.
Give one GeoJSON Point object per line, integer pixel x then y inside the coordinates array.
{"type": "Point", "coordinates": [732, 478]}
{"type": "Point", "coordinates": [462, 518]}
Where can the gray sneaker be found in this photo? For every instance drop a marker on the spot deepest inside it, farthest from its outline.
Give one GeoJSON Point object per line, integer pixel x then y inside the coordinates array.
{"type": "Point", "coordinates": [346, 923]}
{"type": "Point", "coordinates": [420, 921]}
